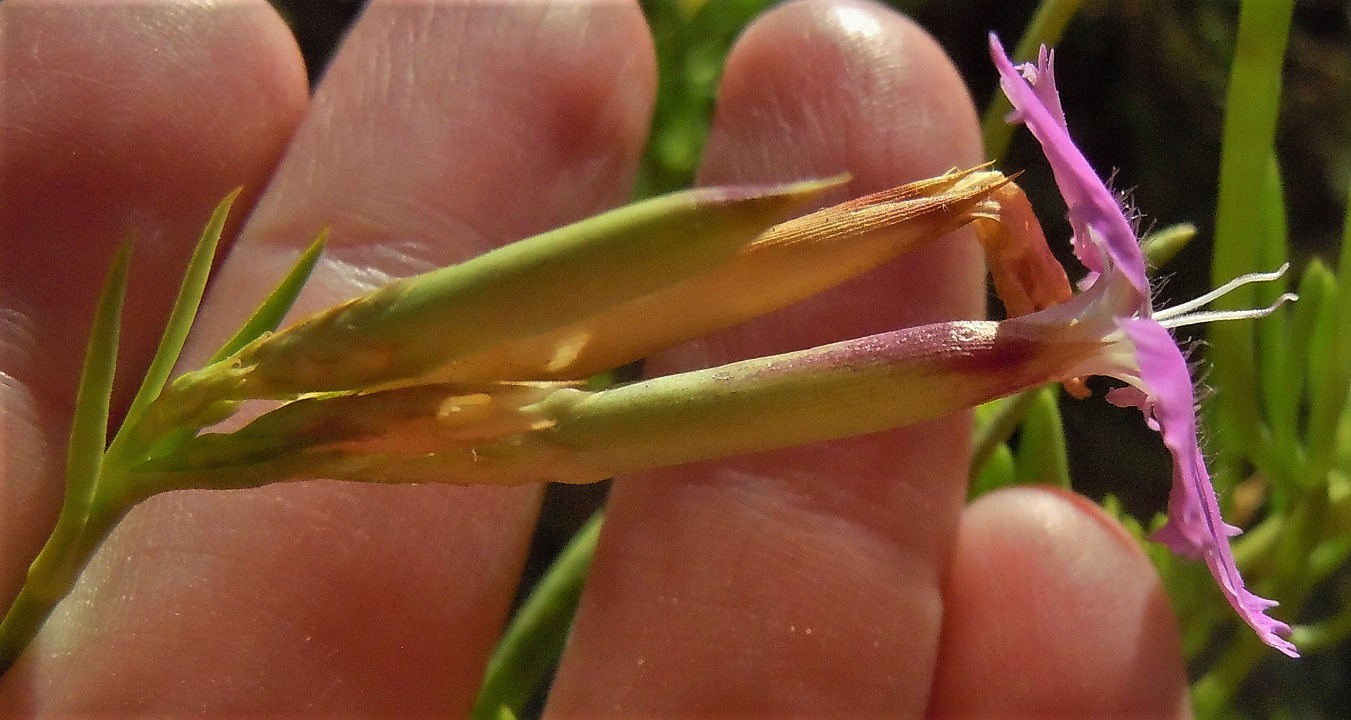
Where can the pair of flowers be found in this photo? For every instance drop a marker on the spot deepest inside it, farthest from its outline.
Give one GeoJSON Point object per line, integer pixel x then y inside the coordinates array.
{"type": "Point", "coordinates": [471, 404]}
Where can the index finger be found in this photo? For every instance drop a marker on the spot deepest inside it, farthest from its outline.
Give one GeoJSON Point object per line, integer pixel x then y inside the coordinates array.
{"type": "Point", "coordinates": [440, 130]}
{"type": "Point", "coordinates": [805, 581]}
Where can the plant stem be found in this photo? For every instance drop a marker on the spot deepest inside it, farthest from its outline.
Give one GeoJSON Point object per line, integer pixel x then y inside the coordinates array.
{"type": "Point", "coordinates": [1045, 28]}
{"type": "Point", "coordinates": [77, 535]}
{"type": "Point", "coordinates": [534, 640]}
{"type": "Point", "coordinates": [1211, 693]}
{"type": "Point", "coordinates": [998, 428]}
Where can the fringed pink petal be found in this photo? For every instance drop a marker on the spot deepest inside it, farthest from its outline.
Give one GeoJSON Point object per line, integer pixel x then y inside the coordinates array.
{"type": "Point", "coordinates": [1161, 387]}
{"type": "Point", "coordinates": [1102, 233]}
{"type": "Point", "coordinates": [1195, 527]}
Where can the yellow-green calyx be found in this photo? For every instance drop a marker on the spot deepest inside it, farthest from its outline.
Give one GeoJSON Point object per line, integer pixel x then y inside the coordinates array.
{"type": "Point", "coordinates": [469, 374]}
{"type": "Point", "coordinates": [513, 433]}
{"type": "Point", "coordinates": [474, 373]}
{"type": "Point", "coordinates": [590, 296]}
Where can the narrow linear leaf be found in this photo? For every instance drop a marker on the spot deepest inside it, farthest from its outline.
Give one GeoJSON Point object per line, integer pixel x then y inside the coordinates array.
{"type": "Point", "coordinates": [534, 639]}
{"type": "Point", "coordinates": [1315, 288]}
{"type": "Point", "coordinates": [1272, 332]}
{"type": "Point", "coordinates": [995, 423]}
{"type": "Point", "coordinates": [1251, 107]}
{"type": "Point", "coordinates": [273, 310]}
{"type": "Point", "coordinates": [1329, 389]}
{"type": "Point", "coordinates": [997, 472]}
{"type": "Point", "coordinates": [89, 427]}
{"type": "Point", "coordinates": [184, 311]}
{"type": "Point", "coordinates": [1318, 363]}
{"type": "Point", "coordinates": [266, 318]}
{"type": "Point", "coordinates": [1342, 442]}
{"type": "Point", "coordinates": [1042, 456]}
{"type": "Point", "coordinates": [1045, 28]}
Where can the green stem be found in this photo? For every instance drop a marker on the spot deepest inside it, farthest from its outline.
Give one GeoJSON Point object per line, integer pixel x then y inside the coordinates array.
{"type": "Point", "coordinates": [53, 574]}
{"type": "Point", "coordinates": [1045, 28]}
{"type": "Point", "coordinates": [54, 571]}
{"type": "Point", "coordinates": [998, 427]}
{"type": "Point", "coordinates": [533, 642]}
{"type": "Point", "coordinates": [1211, 694]}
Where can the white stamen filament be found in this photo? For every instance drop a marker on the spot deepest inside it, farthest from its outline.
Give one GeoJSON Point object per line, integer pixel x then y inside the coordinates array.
{"type": "Point", "coordinates": [1173, 312]}
{"type": "Point", "coordinates": [1174, 320]}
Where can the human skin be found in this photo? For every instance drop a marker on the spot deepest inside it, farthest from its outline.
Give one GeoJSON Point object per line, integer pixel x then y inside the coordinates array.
{"type": "Point", "coordinates": [840, 579]}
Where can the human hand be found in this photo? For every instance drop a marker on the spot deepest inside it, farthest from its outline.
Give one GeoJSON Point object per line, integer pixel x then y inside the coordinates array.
{"type": "Point", "coordinates": [839, 579]}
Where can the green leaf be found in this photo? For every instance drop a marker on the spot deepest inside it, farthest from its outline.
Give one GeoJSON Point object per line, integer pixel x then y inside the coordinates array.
{"type": "Point", "coordinates": [995, 423]}
{"type": "Point", "coordinates": [1329, 390]}
{"type": "Point", "coordinates": [1315, 288]}
{"type": "Point", "coordinates": [1162, 245]}
{"type": "Point", "coordinates": [1042, 457]}
{"type": "Point", "coordinates": [184, 312]}
{"type": "Point", "coordinates": [1249, 135]}
{"type": "Point", "coordinates": [82, 523]}
{"type": "Point", "coordinates": [266, 318]}
{"type": "Point", "coordinates": [1272, 335]}
{"type": "Point", "coordinates": [534, 640]}
{"type": "Point", "coordinates": [997, 472]}
{"type": "Point", "coordinates": [89, 426]}
{"type": "Point", "coordinates": [691, 41]}
{"type": "Point", "coordinates": [273, 310]}
{"type": "Point", "coordinates": [1045, 28]}
{"type": "Point", "coordinates": [1342, 441]}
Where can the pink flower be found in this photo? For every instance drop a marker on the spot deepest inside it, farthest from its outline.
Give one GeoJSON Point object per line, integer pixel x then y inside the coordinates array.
{"type": "Point", "coordinates": [1115, 305]}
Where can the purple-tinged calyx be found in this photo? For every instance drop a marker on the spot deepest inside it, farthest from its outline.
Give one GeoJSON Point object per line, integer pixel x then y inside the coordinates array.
{"type": "Point", "coordinates": [1115, 305]}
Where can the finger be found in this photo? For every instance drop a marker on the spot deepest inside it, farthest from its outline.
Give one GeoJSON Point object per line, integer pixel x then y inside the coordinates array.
{"type": "Point", "coordinates": [440, 130]}
{"type": "Point", "coordinates": [118, 122]}
{"type": "Point", "coordinates": [803, 581]}
{"type": "Point", "coordinates": [1053, 611]}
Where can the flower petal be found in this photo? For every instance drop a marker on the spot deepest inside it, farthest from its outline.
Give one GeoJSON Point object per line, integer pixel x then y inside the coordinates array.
{"type": "Point", "coordinates": [1194, 526]}
{"type": "Point", "coordinates": [1105, 241]}
{"type": "Point", "coordinates": [1102, 233]}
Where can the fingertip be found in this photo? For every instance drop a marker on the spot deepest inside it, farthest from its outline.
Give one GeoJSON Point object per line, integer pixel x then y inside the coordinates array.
{"type": "Point", "coordinates": [822, 87]}
{"type": "Point", "coordinates": [535, 118]}
{"type": "Point", "coordinates": [440, 131]}
{"type": "Point", "coordinates": [847, 85]}
{"type": "Point", "coordinates": [740, 558]}
{"type": "Point", "coordinates": [1053, 609]}
{"type": "Point", "coordinates": [146, 104]}
{"type": "Point", "coordinates": [130, 121]}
